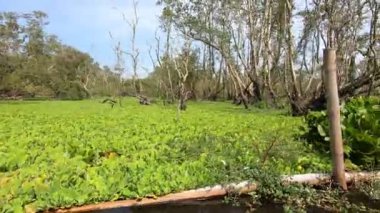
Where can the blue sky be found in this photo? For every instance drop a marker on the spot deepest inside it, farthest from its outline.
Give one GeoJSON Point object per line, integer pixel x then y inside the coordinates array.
{"type": "Point", "coordinates": [85, 24]}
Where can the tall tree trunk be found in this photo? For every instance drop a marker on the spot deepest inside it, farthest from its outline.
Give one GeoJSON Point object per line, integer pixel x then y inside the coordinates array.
{"type": "Point", "coordinates": [288, 14]}
{"type": "Point", "coordinates": [267, 55]}
{"type": "Point", "coordinates": [333, 110]}
{"type": "Point", "coordinates": [168, 34]}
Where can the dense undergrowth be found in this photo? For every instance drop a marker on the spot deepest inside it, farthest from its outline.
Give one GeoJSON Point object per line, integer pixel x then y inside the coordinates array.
{"type": "Point", "coordinates": [64, 153]}
{"type": "Point", "coordinates": [360, 118]}
{"type": "Point", "coordinates": [272, 190]}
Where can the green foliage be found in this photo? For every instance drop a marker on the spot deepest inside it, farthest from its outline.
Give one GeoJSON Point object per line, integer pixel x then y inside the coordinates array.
{"type": "Point", "coordinates": [370, 188]}
{"type": "Point", "coordinates": [303, 198]}
{"type": "Point", "coordinates": [63, 153]}
{"type": "Point", "coordinates": [360, 118]}
{"type": "Point", "coordinates": [34, 64]}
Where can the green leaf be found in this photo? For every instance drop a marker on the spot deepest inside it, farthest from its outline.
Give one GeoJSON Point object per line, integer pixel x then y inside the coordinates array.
{"type": "Point", "coordinates": [321, 131]}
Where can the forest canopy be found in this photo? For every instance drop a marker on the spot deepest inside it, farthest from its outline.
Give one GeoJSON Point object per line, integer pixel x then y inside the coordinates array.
{"type": "Point", "coordinates": [35, 64]}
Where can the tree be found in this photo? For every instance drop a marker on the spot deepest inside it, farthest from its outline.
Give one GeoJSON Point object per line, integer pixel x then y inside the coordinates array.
{"type": "Point", "coordinates": [134, 54]}
{"type": "Point", "coordinates": [346, 39]}
{"type": "Point", "coordinates": [255, 43]}
{"type": "Point", "coordinates": [35, 64]}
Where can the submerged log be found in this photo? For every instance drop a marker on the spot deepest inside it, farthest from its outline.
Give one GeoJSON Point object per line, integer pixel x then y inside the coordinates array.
{"type": "Point", "coordinates": [218, 191]}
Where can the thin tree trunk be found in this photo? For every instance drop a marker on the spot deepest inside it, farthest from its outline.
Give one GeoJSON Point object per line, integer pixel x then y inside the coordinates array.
{"type": "Point", "coordinates": [290, 51]}
{"type": "Point", "coordinates": [268, 57]}
{"type": "Point", "coordinates": [167, 68]}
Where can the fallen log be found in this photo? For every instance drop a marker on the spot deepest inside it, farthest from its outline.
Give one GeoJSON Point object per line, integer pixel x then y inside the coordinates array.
{"type": "Point", "coordinates": [318, 179]}
{"type": "Point", "coordinates": [218, 191]}
{"type": "Point", "coordinates": [301, 106]}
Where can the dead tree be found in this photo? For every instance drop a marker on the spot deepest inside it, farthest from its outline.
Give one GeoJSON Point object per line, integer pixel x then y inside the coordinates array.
{"type": "Point", "coordinates": [120, 69]}
{"type": "Point", "coordinates": [183, 72]}
{"type": "Point", "coordinates": [134, 53]}
{"type": "Point", "coordinates": [182, 102]}
{"type": "Point", "coordinates": [85, 74]}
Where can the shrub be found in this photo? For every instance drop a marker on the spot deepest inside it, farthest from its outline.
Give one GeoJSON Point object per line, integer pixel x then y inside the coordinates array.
{"type": "Point", "coordinates": [74, 92]}
{"type": "Point", "coordinates": [360, 118]}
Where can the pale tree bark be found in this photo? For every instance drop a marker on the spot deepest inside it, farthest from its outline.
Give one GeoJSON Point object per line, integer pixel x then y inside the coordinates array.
{"type": "Point", "coordinates": [167, 53]}
{"type": "Point", "coordinates": [85, 75]}
{"type": "Point", "coordinates": [333, 106]}
{"type": "Point", "coordinates": [290, 46]}
{"type": "Point", "coordinates": [120, 70]}
{"type": "Point", "coordinates": [230, 66]}
{"type": "Point", "coordinates": [134, 53]}
{"type": "Point", "coordinates": [267, 58]}
{"type": "Point", "coordinates": [333, 110]}
{"type": "Point", "coordinates": [294, 92]}
{"type": "Point", "coordinates": [252, 20]}
{"type": "Point", "coordinates": [341, 27]}
{"type": "Point", "coordinates": [257, 43]}
{"type": "Point", "coordinates": [157, 61]}
{"type": "Point", "coordinates": [373, 50]}
{"type": "Point", "coordinates": [182, 68]}
{"type": "Point", "coordinates": [162, 84]}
